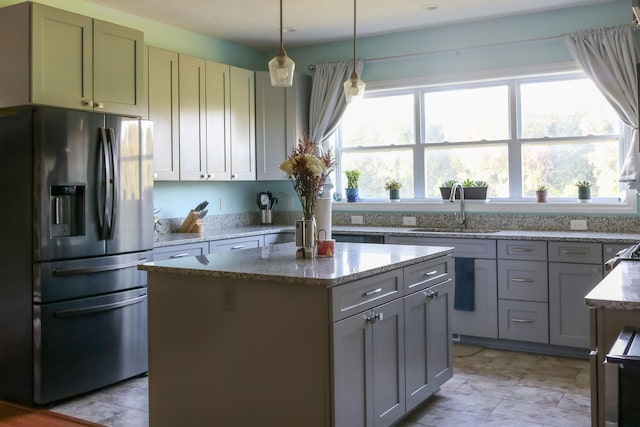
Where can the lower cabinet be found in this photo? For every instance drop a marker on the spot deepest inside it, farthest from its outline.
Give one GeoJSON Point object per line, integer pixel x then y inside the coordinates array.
{"type": "Point", "coordinates": [428, 349]}
{"type": "Point", "coordinates": [236, 244]}
{"type": "Point", "coordinates": [180, 251]}
{"type": "Point", "coordinates": [396, 350]}
{"type": "Point", "coordinates": [368, 351]}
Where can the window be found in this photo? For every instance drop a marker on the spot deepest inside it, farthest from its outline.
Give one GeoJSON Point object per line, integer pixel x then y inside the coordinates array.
{"type": "Point", "coordinates": [514, 134]}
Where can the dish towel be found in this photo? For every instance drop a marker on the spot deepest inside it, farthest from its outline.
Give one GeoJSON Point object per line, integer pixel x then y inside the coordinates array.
{"type": "Point", "coordinates": [464, 298]}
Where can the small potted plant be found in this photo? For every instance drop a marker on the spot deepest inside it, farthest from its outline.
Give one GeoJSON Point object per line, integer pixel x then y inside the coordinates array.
{"type": "Point", "coordinates": [393, 187]}
{"type": "Point", "coordinates": [584, 191]}
{"type": "Point", "coordinates": [473, 190]}
{"type": "Point", "coordinates": [353, 176]}
{"type": "Point", "coordinates": [445, 188]}
{"type": "Point", "coordinates": [541, 194]}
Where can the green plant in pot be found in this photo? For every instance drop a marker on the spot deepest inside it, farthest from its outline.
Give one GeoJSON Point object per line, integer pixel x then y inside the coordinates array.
{"type": "Point", "coordinates": [353, 177]}
{"type": "Point", "coordinates": [393, 187]}
{"type": "Point", "coordinates": [584, 191]}
{"type": "Point", "coordinates": [541, 193]}
{"type": "Point", "coordinates": [472, 189]}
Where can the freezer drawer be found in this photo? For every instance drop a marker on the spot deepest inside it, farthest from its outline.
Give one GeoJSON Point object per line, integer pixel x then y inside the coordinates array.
{"type": "Point", "coordinates": [66, 280]}
{"type": "Point", "coordinates": [89, 343]}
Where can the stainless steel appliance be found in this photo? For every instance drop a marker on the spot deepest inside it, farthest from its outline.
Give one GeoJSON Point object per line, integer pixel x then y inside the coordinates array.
{"type": "Point", "coordinates": [622, 369]}
{"type": "Point", "coordinates": [77, 219]}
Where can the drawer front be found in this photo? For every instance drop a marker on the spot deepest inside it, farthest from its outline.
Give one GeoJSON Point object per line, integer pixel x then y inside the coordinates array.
{"type": "Point", "coordinates": [426, 274]}
{"type": "Point", "coordinates": [180, 251]}
{"type": "Point", "coordinates": [580, 252]}
{"type": "Point", "coordinates": [464, 248]}
{"type": "Point", "coordinates": [360, 295]}
{"type": "Point", "coordinates": [523, 321]}
{"type": "Point", "coordinates": [523, 280]}
{"type": "Point", "coordinates": [522, 249]}
{"type": "Point", "coordinates": [236, 244]}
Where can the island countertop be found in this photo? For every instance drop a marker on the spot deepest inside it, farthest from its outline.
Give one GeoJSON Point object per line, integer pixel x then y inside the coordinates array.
{"type": "Point", "coordinates": [351, 261]}
{"type": "Point", "coordinates": [619, 290]}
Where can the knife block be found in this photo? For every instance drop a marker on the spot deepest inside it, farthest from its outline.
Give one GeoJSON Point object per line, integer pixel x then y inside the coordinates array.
{"type": "Point", "coordinates": [192, 223]}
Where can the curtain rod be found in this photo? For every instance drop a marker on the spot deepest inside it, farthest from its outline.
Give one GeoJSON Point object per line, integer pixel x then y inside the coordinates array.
{"type": "Point", "coordinates": [312, 67]}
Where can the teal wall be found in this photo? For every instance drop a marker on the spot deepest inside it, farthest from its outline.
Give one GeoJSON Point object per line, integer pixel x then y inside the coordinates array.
{"type": "Point", "coordinates": [174, 199]}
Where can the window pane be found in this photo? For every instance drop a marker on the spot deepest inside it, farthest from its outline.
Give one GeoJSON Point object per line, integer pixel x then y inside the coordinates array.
{"type": "Point", "coordinates": [560, 165]}
{"type": "Point", "coordinates": [467, 114]}
{"type": "Point", "coordinates": [378, 166]}
{"type": "Point", "coordinates": [480, 163]}
{"type": "Point", "coordinates": [378, 121]}
{"type": "Point", "coordinates": [565, 108]}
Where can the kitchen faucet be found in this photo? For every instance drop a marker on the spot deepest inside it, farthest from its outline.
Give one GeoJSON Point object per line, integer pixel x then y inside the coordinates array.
{"type": "Point", "coordinates": [462, 221]}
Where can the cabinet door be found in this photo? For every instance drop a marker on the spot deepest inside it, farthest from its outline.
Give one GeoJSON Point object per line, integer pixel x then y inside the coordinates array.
{"type": "Point", "coordinates": [243, 125]}
{"type": "Point", "coordinates": [568, 313]}
{"type": "Point", "coordinates": [428, 345]}
{"type": "Point", "coordinates": [218, 121]}
{"type": "Point", "coordinates": [62, 58]}
{"type": "Point", "coordinates": [193, 147]}
{"type": "Point", "coordinates": [163, 110]}
{"type": "Point", "coordinates": [118, 56]}
{"type": "Point", "coordinates": [483, 320]}
{"type": "Point", "coordinates": [368, 351]}
{"type": "Point", "coordinates": [282, 116]}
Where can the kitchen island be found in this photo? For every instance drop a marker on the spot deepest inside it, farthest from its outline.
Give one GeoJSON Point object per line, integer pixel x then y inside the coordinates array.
{"type": "Point", "coordinates": [614, 303]}
{"type": "Point", "coordinates": [258, 337]}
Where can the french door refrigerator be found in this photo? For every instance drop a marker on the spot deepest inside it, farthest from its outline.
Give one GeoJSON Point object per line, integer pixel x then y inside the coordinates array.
{"type": "Point", "coordinates": [77, 218]}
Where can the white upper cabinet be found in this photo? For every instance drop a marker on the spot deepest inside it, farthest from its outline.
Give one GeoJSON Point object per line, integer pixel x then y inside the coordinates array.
{"type": "Point", "coordinates": [63, 59]}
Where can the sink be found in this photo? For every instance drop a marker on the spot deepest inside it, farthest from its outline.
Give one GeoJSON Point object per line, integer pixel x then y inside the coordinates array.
{"type": "Point", "coordinates": [452, 230]}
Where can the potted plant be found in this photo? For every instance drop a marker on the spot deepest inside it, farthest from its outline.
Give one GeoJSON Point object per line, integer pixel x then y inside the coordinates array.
{"type": "Point", "coordinates": [473, 190]}
{"type": "Point", "coordinates": [584, 191]}
{"type": "Point", "coordinates": [541, 194]}
{"type": "Point", "coordinates": [393, 187]}
{"type": "Point", "coordinates": [353, 176]}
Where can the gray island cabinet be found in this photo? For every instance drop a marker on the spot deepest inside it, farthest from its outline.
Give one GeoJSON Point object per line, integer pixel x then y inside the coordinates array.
{"type": "Point", "coordinates": [258, 337]}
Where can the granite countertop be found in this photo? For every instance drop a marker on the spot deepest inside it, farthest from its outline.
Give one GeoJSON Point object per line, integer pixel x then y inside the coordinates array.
{"type": "Point", "coordinates": [619, 290]}
{"type": "Point", "coordinates": [170, 239]}
{"type": "Point", "coordinates": [351, 261]}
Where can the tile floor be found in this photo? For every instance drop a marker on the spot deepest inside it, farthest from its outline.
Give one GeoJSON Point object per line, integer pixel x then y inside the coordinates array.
{"type": "Point", "coordinates": [489, 388]}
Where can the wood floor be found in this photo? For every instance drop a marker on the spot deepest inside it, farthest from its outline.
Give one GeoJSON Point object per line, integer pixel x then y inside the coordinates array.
{"type": "Point", "coordinates": [489, 388]}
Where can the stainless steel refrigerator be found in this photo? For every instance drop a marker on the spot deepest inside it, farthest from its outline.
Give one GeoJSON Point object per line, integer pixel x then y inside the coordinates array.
{"type": "Point", "coordinates": [77, 218]}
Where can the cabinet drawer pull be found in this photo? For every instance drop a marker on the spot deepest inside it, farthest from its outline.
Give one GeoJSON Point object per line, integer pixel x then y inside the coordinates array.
{"type": "Point", "coordinates": [522, 249]}
{"type": "Point", "coordinates": [430, 273]}
{"type": "Point", "coordinates": [574, 251]}
{"type": "Point", "coordinates": [179, 255]}
{"type": "Point", "coordinates": [522, 279]}
{"type": "Point", "coordinates": [237, 247]}
{"type": "Point", "coordinates": [523, 320]}
{"type": "Point", "coordinates": [375, 291]}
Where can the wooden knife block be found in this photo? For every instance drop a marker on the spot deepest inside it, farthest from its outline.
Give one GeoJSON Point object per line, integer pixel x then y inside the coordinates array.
{"type": "Point", "coordinates": [192, 223]}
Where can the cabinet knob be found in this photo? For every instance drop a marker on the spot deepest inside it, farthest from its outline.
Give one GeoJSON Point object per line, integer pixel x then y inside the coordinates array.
{"type": "Point", "coordinates": [100, 105]}
{"type": "Point", "coordinates": [234, 175]}
{"type": "Point", "coordinates": [204, 176]}
{"type": "Point", "coordinates": [374, 318]}
{"type": "Point", "coordinates": [88, 103]}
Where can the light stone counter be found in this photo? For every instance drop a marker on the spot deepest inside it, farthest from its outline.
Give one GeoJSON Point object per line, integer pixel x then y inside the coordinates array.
{"type": "Point", "coordinates": [619, 290]}
{"type": "Point", "coordinates": [351, 261]}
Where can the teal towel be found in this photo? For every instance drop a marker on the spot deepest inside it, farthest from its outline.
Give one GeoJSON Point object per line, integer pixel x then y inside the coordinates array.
{"type": "Point", "coordinates": [464, 298]}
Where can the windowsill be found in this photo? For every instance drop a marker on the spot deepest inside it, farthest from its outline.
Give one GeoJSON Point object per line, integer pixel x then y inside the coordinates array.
{"type": "Point", "coordinates": [629, 206]}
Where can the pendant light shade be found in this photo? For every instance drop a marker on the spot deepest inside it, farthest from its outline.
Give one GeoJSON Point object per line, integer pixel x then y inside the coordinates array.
{"type": "Point", "coordinates": [354, 86]}
{"type": "Point", "coordinates": [281, 67]}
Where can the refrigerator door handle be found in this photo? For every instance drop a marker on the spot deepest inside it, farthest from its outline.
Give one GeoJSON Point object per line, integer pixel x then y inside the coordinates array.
{"type": "Point", "coordinates": [114, 182]}
{"type": "Point", "coordinates": [97, 269]}
{"type": "Point", "coordinates": [99, 308]}
{"type": "Point", "coordinates": [104, 196]}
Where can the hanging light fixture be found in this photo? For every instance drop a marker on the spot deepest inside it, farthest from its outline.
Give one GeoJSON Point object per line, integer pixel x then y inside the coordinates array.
{"type": "Point", "coordinates": [354, 86]}
{"type": "Point", "coordinates": [281, 66]}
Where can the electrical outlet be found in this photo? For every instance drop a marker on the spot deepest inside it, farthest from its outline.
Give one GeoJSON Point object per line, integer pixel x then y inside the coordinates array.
{"type": "Point", "coordinates": [223, 205]}
{"type": "Point", "coordinates": [357, 219]}
{"type": "Point", "coordinates": [290, 202]}
{"type": "Point", "coordinates": [408, 220]}
{"type": "Point", "coordinates": [578, 224]}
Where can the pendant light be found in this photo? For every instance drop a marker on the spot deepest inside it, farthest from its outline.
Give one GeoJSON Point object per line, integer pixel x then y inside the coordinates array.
{"type": "Point", "coordinates": [354, 87]}
{"type": "Point", "coordinates": [281, 66]}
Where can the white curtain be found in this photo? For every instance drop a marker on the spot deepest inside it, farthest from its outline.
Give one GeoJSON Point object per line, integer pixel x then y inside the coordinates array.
{"type": "Point", "coordinates": [328, 103]}
{"type": "Point", "coordinates": [609, 57]}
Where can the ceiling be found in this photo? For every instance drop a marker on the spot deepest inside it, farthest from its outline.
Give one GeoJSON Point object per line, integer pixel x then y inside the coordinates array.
{"type": "Point", "coordinates": [255, 23]}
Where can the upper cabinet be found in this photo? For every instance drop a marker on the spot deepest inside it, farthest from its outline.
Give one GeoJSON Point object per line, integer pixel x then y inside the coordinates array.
{"type": "Point", "coordinates": [282, 116]}
{"type": "Point", "coordinates": [68, 60]}
{"type": "Point", "coordinates": [243, 125]}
